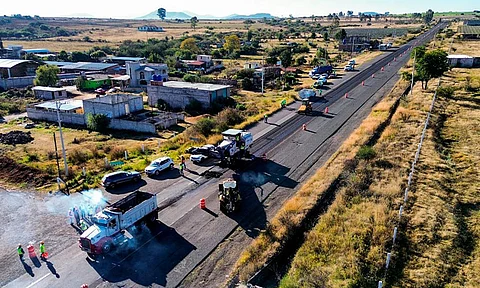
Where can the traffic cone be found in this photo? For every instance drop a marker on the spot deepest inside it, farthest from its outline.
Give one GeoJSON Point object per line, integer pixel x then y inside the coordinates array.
{"type": "Point", "coordinates": [326, 110]}
{"type": "Point", "coordinates": [202, 204]}
{"type": "Point", "coordinates": [304, 127]}
{"type": "Point", "coordinates": [84, 286]}
{"type": "Point", "coordinates": [363, 83]}
{"type": "Point", "coordinates": [388, 63]}
{"type": "Point", "coordinates": [395, 59]}
{"type": "Point", "coordinates": [383, 69]}
{"type": "Point", "coordinates": [373, 75]}
{"type": "Point", "coordinates": [31, 251]}
{"type": "Point", "coordinates": [346, 95]}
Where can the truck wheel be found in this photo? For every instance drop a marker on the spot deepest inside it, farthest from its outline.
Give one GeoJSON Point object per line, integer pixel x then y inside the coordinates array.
{"type": "Point", "coordinates": [171, 166]}
{"type": "Point", "coordinates": [107, 247]}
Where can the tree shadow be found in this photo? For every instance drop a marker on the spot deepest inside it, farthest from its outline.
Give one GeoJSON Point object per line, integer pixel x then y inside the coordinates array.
{"type": "Point", "coordinates": [160, 249]}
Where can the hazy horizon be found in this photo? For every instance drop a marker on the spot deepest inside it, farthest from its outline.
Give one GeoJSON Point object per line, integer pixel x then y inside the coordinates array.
{"type": "Point", "coordinates": [281, 8]}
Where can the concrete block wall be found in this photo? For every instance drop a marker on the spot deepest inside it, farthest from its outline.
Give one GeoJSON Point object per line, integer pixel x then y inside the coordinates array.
{"type": "Point", "coordinates": [50, 116]}
{"type": "Point", "coordinates": [119, 124]}
{"type": "Point", "coordinates": [115, 110]}
{"type": "Point", "coordinates": [17, 82]}
{"type": "Point", "coordinates": [177, 97]}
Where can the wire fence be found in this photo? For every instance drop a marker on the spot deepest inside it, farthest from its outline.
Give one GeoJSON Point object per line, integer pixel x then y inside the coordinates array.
{"type": "Point", "coordinates": [407, 189]}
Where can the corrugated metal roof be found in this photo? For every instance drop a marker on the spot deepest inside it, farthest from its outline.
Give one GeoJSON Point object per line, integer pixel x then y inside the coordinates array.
{"type": "Point", "coordinates": [199, 86]}
{"type": "Point", "coordinates": [37, 50]}
{"type": "Point", "coordinates": [9, 63]}
{"type": "Point", "coordinates": [89, 66]}
{"type": "Point", "coordinates": [135, 59]}
{"type": "Point", "coordinates": [459, 56]}
{"type": "Point", "coordinates": [58, 63]}
{"type": "Point", "coordinates": [50, 89]}
{"type": "Point", "coordinates": [64, 105]}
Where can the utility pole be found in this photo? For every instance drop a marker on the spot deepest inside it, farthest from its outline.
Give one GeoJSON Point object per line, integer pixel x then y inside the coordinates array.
{"type": "Point", "coordinates": [61, 138]}
{"type": "Point", "coordinates": [263, 73]}
{"type": "Point", "coordinates": [451, 45]}
{"type": "Point", "coordinates": [56, 154]}
{"type": "Point", "coordinates": [413, 71]}
{"type": "Point", "coordinates": [353, 45]}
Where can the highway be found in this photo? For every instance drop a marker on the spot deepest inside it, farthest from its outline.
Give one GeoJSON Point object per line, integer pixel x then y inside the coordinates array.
{"type": "Point", "coordinates": [185, 236]}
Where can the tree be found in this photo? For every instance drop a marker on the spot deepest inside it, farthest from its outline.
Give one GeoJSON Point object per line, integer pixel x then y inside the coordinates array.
{"type": "Point", "coordinates": [62, 56]}
{"type": "Point", "coordinates": [232, 43]}
{"type": "Point", "coordinates": [322, 53]}
{"type": "Point", "coordinates": [47, 75]}
{"type": "Point", "coordinates": [190, 45]}
{"type": "Point", "coordinates": [313, 35]}
{"type": "Point", "coordinates": [98, 122]}
{"type": "Point", "coordinates": [79, 82]}
{"type": "Point", "coordinates": [205, 126]}
{"type": "Point", "coordinates": [340, 35]}
{"type": "Point", "coordinates": [325, 36]}
{"type": "Point", "coordinates": [98, 54]}
{"type": "Point", "coordinates": [349, 13]}
{"type": "Point", "coordinates": [249, 35]}
{"type": "Point", "coordinates": [162, 13]}
{"type": "Point", "coordinates": [418, 52]}
{"type": "Point", "coordinates": [77, 56]}
{"type": "Point", "coordinates": [286, 58]}
{"type": "Point", "coordinates": [432, 65]}
{"type": "Point", "coordinates": [194, 22]}
{"type": "Point", "coordinates": [428, 16]}
{"type": "Point", "coordinates": [300, 61]}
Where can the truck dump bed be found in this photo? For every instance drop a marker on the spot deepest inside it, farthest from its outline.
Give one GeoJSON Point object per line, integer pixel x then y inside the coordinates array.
{"type": "Point", "coordinates": [130, 201]}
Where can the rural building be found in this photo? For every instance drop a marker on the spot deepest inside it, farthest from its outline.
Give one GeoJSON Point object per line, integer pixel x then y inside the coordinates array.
{"type": "Point", "coordinates": [113, 105]}
{"type": "Point", "coordinates": [151, 28]}
{"type": "Point", "coordinates": [120, 60]}
{"type": "Point", "coordinates": [69, 67]}
{"type": "Point", "coordinates": [124, 110]}
{"type": "Point", "coordinates": [251, 65]}
{"type": "Point", "coordinates": [469, 32]}
{"type": "Point", "coordinates": [179, 94]}
{"type": "Point", "coordinates": [463, 61]}
{"type": "Point", "coordinates": [10, 68]}
{"type": "Point", "coordinates": [49, 93]}
{"type": "Point", "coordinates": [354, 43]}
{"type": "Point", "coordinates": [94, 81]}
{"type": "Point", "coordinates": [141, 73]}
{"type": "Point", "coordinates": [9, 53]}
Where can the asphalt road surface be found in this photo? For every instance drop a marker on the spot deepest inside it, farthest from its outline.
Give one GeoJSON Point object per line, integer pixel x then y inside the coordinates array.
{"type": "Point", "coordinates": [185, 235]}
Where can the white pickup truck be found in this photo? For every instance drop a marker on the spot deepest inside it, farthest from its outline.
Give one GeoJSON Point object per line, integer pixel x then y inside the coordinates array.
{"type": "Point", "coordinates": [111, 223]}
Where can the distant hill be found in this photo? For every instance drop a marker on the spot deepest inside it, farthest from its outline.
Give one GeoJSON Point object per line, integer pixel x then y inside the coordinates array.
{"type": "Point", "coordinates": [252, 16]}
{"type": "Point", "coordinates": [188, 15]}
{"type": "Point", "coordinates": [170, 15]}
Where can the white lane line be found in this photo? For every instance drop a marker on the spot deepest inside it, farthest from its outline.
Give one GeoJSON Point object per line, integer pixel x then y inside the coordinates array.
{"type": "Point", "coordinates": [34, 283]}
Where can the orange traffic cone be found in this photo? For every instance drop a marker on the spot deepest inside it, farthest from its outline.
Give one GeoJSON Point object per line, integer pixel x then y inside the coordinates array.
{"type": "Point", "coordinates": [346, 95]}
{"type": "Point", "coordinates": [304, 127]}
{"type": "Point", "coordinates": [383, 68]}
{"type": "Point", "coordinates": [84, 286]}
{"type": "Point", "coordinates": [373, 75]}
{"type": "Point", "coordinates": [388, 63]}
{"type": "Point", "coordinates": [202, 204]}
{"type": "Point", "coordinates": [363, 83]}
{"type": "Point", "coordinates": [326, 110]}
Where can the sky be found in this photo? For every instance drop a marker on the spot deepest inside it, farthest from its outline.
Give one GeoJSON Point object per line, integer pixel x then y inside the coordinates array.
{"type": "Point", "coordinates": [124, 9]}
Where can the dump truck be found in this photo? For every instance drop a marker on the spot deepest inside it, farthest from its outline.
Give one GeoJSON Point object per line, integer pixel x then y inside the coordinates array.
{"type": "Point", "coordinates": [235, 146]}
{"type": "Point", "coordinates": [229, 196]}
{"type": "Point", "coordinates": [110, 225]}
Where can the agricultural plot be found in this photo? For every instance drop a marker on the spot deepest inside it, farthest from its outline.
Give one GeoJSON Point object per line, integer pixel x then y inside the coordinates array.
{"type": "Point", "coordinates": [376, 33]}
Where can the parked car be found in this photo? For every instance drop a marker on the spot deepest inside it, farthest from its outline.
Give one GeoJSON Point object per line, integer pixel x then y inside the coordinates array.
{"type": "Point", "coordinates": [190, 150]}
{"type": "Point", "coordinates": [348, 68]}
{"type": "Point", "coordinates": [323, 78]}
{"type": "Point", "coordinates": [202, 153]}
{"type": "Point", "coordinates": [317, 84]}
{"type": "Point", "coordinates": [352, 62]}
{"type": "Point", "coordinates": [113, 179]}
{"type": "Point", "coordinates": [100, 91]}
{"type": "Point", "coordinates": [159, 165]}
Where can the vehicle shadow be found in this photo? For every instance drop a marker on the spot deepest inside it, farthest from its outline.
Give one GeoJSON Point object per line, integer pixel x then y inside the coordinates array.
{"type": "Point", "coordinates": [126, 188]}
{"type": "Point", "coordinates": [167, 174]}
{"type": "Point", "coordinates": [254, 186]}
{"type": "Point", "coordinates": [145, 259]}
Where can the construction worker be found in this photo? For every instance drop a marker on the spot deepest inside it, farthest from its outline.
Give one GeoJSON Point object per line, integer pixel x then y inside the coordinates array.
{"type": "Point", "coordinates": [183, 162]}
{"type": "Point", "coordinates": [42, 250]}
{"type": "Point", "coordinates": [265, 118]}
{"type": "Point", "coordinates": [70, 216]}
{"type": "Point", "coordinates": [76, 213]}
{"type": "Point", "coordinates": [20, 251]}
{"type": "Point", "coordinates": [83, 225]}
{"type": "Point", "coordinates": [283, 103]}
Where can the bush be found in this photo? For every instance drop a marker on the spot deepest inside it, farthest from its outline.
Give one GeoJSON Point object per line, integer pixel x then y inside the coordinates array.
{"type": "Point", "coordinates": [228, 118]}
{"type": "Point", "coordinates": [245, 73]}
{"type": "Point", "coordinates": [241, 107]}
{"type": "Point", "coordinates": [98, 122]}
{"type": "Point", "coordinates": [205, 126]}
{"type": "Point", "coordinates": [247, 84]}
{"type": "Point", "coordinates": [366, 153]}
{"type": "Point", "coordinates": [163, 105]}
{"type": "Point", "coordinates": [191, 78]}
{"type": "Point", "coordinates": [116, 153]}
{"type": "Point", "coordinates": [194, 107]}
{"type": "Point", "coordinates": [446, 92]}
{"type": "Point", "coordinates": [78, 157]}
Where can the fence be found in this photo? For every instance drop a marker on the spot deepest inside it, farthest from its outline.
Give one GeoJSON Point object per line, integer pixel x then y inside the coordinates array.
{"type": "Point", "coordinates": [409, 182]}
{"type": "Point", "coordinates": [17, 82]}
{"type": "Point", "coordinates": [119, 124]}
{"type": "Point", "coordinates": [51, 116]}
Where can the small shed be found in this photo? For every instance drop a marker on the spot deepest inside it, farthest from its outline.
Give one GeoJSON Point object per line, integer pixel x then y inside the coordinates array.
{"type": "Point", "coordinates": [462, 61]}
{"type": "Point", "coordinates": [49, 93]}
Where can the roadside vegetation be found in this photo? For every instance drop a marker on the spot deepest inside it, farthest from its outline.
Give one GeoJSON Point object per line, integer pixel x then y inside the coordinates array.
{"type": "Point", "coordinates": [15, 101]}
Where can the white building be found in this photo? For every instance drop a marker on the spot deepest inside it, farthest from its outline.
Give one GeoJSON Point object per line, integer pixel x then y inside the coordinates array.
{"type": "Point", "coordinates": [251, 65]}
{"type": "Point", "coordinates": [141, 73]}
{"type": "Point", "coordinates": [463, 61]}
{"type": "Point", "coordinates": [49, 93]}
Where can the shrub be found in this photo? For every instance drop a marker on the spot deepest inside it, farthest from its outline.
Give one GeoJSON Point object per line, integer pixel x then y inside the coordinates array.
{"type": "Point", "coordinates": [32, 157]}
{"type": "Point", "coordinates": [191, 78]}
{"type": "Point", "coordinates": [241, 107]}
{"type": "Point", "coordinates": [205, 126]}
{"type": "Point", "coordinates": [77, 157]}
{"type": "Point", "coordinates": [245, 73]}
{"type": "Point", "coordinates": [116, 153]}
{"type": "Point", "coordinates": [366, 153]}
{"type": "Point", "coordinates": [163, 105]}
{"type": "Point", "coordinates": [227, 118]}
{"type": "Point", "coordinates": [194, 107]}
{"type": "Point", "coordinates": [98, 122]}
